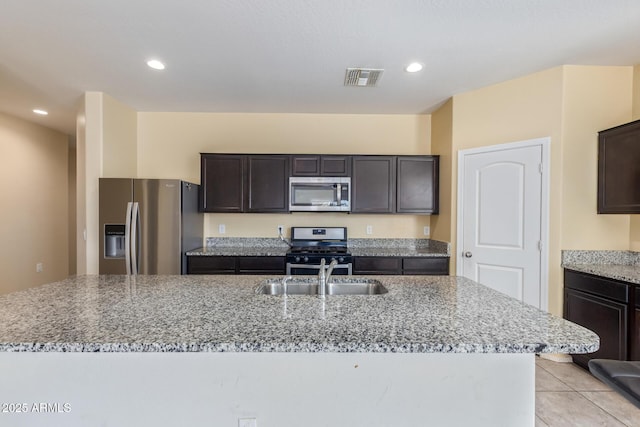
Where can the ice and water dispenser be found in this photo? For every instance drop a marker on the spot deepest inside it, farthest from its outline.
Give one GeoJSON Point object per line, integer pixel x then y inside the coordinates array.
{"type": "Point", "coordinates": [114, 239]}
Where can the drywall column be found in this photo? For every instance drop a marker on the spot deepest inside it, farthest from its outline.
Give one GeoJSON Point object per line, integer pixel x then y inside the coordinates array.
{"type": "Point", "coordinates": [634, 233]}
{"type": "Point", "coordinates": [89, 169]}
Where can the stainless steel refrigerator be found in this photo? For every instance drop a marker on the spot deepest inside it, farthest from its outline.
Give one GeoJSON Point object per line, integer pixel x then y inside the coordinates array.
{"type": "Point", "coordinates": [147, 225]}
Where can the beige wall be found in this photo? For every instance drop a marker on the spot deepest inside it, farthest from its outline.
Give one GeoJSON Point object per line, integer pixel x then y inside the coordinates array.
{"type": "Point", "coordinates": [442, 225]}
{"type": "Point", "coordinates": [595, 98]}
{"type": "Point", "coordinates": [169, 145]}
{"type": "Point", "coordinates": [119, 139]}
{"type": "Point", "coordinates": [569, 104]}
{"type": "Point", "coordinates": [34, 205]}
{"type": "Point", "coordinates": [634, 235]}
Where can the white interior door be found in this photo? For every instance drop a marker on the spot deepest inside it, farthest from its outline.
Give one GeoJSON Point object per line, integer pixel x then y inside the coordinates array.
{"type": "Point", "coordinates": [502, 196]}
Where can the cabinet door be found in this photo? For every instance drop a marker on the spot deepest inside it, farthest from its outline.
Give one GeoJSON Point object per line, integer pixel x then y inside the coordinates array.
{"type": "Point", "coordinates": [425, 266]}
{"type": "Point", "coordinates": [417, 187]}
{"type": "Point", "coordinates": [268, 181]}
{"type": "Point", "coordinates": [373, 184]}
{"type": "Point", "coordinates": [606, 318]}
{"type": "Point", "coordinates": [261, 265]}
{"type": "Point", "coordinates": [635, 330]}
{"type": "Point", "coordinates": [211, 265]}
{"type": "Point", "coordinates": [222, 179]}
{"type": "Point", "coordinates": [619, 169]}
{"type": "Point", "coordinates": [335, 166]}
{"type": "Point", "coordinates": [377, 265]}
{"type": "Point", "coordinates": [305, 165]}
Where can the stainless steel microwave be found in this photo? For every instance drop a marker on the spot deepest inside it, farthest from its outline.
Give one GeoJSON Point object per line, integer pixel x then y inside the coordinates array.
{"type": "Point", "coordinates": [320, 194]}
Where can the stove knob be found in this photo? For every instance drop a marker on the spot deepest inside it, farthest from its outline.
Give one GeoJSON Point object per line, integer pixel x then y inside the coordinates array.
{"type": "Point", "coordinates": [297, 259]}
{"type": "Point", "coordinates": [306, 259]}
{"type": "Point", "coordinates": [341, 260]}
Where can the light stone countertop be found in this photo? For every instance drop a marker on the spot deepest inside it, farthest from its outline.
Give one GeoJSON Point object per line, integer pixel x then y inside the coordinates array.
{"type": "Point", "coordinates": [617, 265]}
{"type": "Point", "coordinates": [626, 273]}
{"type": "Point", "coordinates": [420, 314]}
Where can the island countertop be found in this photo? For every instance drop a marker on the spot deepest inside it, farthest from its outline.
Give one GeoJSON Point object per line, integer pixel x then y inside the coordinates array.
{"type": "Point", "coordinates": [419, 314]}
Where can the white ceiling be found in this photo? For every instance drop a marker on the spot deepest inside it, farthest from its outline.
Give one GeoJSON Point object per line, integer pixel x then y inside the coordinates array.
{"type": "Point", "coordinates": [291, 55]}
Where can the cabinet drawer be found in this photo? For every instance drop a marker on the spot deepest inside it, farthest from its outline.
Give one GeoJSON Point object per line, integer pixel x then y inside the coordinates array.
{"type": "Point", "coordinates": [377, 265]}
{"type": "Point", "coordinates": [606, 288]}
{"type": "Point", "coordinates": [434, 266]}
{"type": "Point", "coordinates": [261, 265]}
{"type": "Point", "coordinates": [211, 265]}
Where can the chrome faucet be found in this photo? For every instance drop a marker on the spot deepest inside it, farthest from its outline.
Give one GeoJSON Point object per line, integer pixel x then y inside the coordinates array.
{"type": "Point", "coordinates": [324, 275]}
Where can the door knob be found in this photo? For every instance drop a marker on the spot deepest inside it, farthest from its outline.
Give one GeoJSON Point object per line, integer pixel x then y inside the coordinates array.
{"type": "Point", "coordinates": [468, 254]}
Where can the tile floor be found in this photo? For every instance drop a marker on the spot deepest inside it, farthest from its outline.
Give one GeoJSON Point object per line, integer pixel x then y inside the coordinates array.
{"type": "Point", "coordinates": [567, 395]}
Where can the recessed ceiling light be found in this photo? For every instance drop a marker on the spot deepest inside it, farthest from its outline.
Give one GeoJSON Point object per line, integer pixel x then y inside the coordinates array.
{"type": "Point", "coordinates": [155, 64]}
{"type": "Point", "coordinates": [414, 67]}
{"type": "Point", "coordinates": [40, 112]}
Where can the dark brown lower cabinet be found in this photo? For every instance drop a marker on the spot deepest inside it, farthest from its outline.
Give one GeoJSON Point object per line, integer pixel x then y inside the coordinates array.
{"type": "Point", "coordinates": [635, 330]}
{"type": "Point", "coordinates": [606, 307]}
{"type": "Point", "coordinates": [235, 265]}
{"type": "Point", "coordinates": [401, 265]}
{"type": "Point", "coordinates": [377, 265]}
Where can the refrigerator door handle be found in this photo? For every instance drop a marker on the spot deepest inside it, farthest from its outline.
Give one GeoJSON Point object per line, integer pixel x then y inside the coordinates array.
{"type": "Point", "coordinates": [135, 238]}
{"type": "Point", "coordinates": [127, 238]}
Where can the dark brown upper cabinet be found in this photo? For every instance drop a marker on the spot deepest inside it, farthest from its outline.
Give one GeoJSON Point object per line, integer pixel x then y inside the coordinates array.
{"type": "Point", "coordinates": [417, 184]}
{"type": "Point", "coordinates": [244, 183]}
{"type": "Point", "coordinates": [373, 184]}
{"type": "Point", "coordinates": [319, 165]}
{"type": "Point", "coordinates": [619, 169]}
{"type": "Point", "coordinates": [395, 184]}
{"type": "Point", "coordinates": [260, 182]}
{"type": "Point", "coordinates": [268, 183]}
{"type": "Point", "coordinates": [222, 177]}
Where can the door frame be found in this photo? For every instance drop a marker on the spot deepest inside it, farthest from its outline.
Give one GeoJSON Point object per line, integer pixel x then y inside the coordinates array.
{"type": "Point", "coordinates": [545, 144]}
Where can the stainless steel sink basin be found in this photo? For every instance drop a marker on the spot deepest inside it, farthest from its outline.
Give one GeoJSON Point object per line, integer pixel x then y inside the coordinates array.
{"type": "Point", "coordinates": [309, 286]}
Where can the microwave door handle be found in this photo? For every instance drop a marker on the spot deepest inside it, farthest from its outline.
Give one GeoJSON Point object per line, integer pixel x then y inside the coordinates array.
{"type": "Point", "coordinates": [339, 195]}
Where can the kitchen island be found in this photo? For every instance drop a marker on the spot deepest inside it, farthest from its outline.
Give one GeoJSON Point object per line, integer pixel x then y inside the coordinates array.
{"type": "Point", "coordinates": [207, 350]}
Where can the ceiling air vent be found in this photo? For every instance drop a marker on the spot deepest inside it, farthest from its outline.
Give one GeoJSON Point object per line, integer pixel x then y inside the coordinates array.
{"type": "Point", "coordinates": [362, 77]}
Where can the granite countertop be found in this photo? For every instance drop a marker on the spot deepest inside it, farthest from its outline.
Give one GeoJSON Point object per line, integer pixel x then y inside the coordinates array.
{"type": "Point", "coordinates": [239, 251]}
{"type": "Point", "coordinates": [399, 252]}
{"type": "Point", "coordinates": [617, 265]}
{"type": "Point", "coordinates": [419, 314]}
{"type": "Point", "coordinates": [357, 247]}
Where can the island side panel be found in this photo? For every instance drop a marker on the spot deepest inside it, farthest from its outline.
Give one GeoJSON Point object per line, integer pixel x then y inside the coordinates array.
{"type": "Point", "coordinates": [278, 389]}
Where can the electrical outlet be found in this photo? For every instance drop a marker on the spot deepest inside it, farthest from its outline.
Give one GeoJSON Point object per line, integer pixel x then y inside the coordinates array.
{"type": "Point", "coordinates": [222, 228]}
{"type": "Point", "coordinates": [427, 230]}
{"type": "Point", "coordinates": [280, 229]}
{"type": "Point", "coordinates": [39, 267]}
{"type": "Point", "coordinates": [247, 422]}
{"type": "Point", "coordinates": [369, 229]}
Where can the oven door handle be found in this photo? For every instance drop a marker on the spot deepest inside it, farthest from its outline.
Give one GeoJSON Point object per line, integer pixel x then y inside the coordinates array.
{"type": "Point", "coordinates": [317, 267]}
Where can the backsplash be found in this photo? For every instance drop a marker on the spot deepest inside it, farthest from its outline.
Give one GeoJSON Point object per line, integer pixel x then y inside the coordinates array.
{"type": "Point", "coordinates": [400, 243]}
{"type": "Point", "coordinates": [241, 242]}
{"type": "Point", "coordinates": [269, 242]}
{"type": "Point", "coordinates": [600, 257]}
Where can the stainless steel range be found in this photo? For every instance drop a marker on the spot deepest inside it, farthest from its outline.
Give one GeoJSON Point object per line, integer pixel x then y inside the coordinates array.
{"type": "Point", "coordinates": [309, 245]}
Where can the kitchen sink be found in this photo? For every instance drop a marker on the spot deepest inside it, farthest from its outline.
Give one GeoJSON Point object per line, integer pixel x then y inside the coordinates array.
{"type": "Point", "coordinates": [309, 286]}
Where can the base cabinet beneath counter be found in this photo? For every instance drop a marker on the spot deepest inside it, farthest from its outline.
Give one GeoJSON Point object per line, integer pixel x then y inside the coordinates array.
{"type": "Point", "coordinates": [606, 307]}
{"type": "Point", "coordinates": [401, 265]}
{"type": "Point", "coordinates": [235, 265]}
